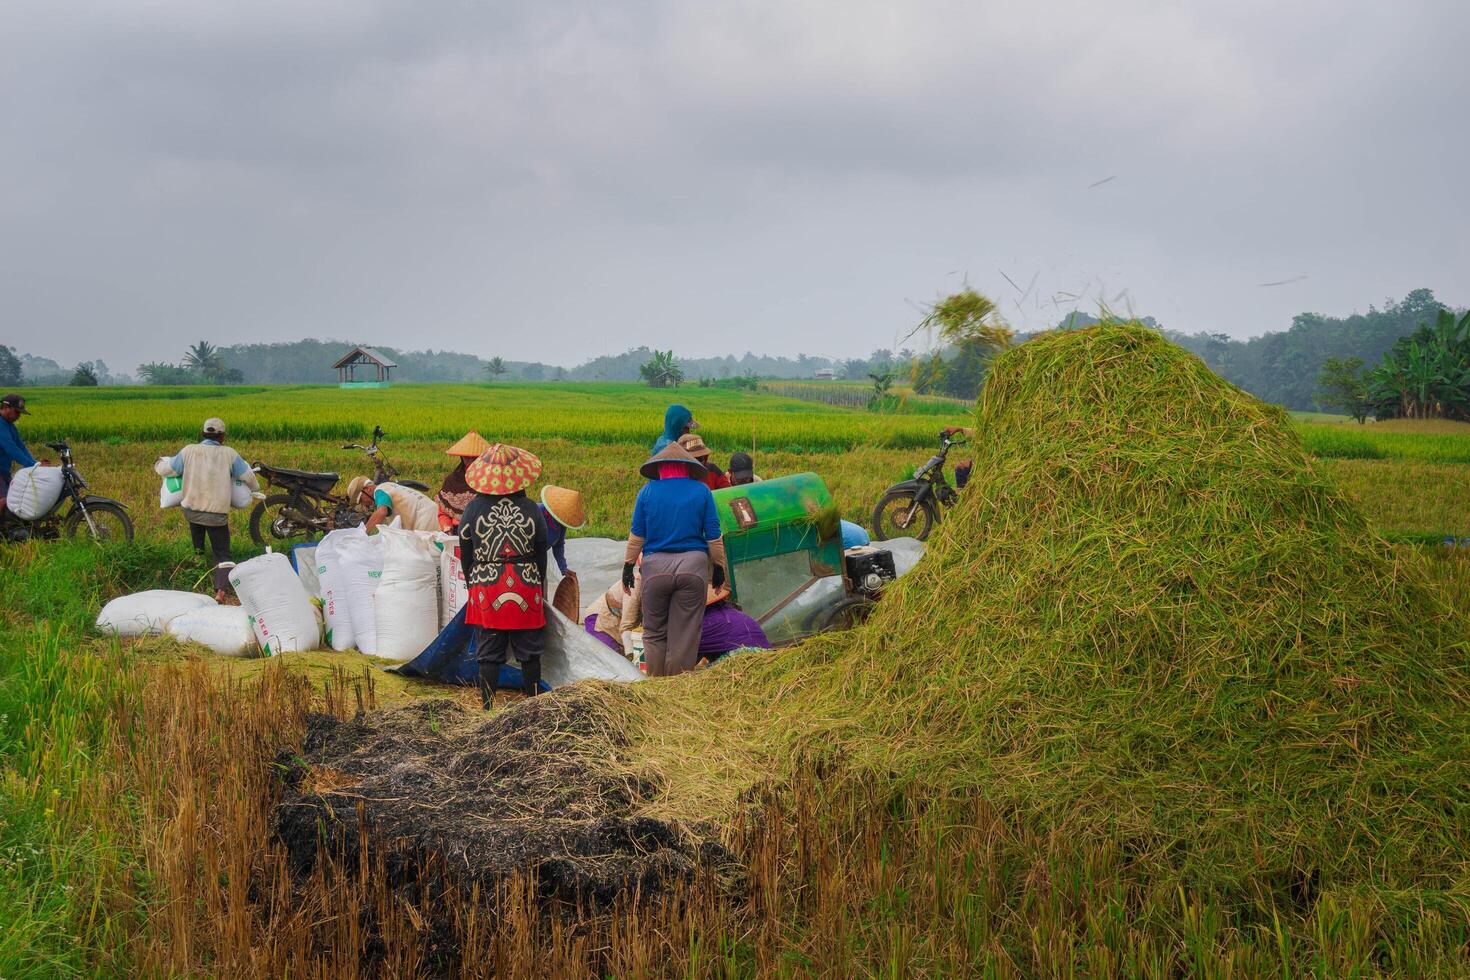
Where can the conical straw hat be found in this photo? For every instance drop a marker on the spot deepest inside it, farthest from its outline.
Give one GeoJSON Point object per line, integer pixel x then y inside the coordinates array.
{"type": "Point", "coordinates": [472, 446]}
{"type": "Point", "coordinates": [672, 453]}
{"type": "Point", "coordinates": [565, 505]}
{"type": "Point", "coordinates": [502, 469]}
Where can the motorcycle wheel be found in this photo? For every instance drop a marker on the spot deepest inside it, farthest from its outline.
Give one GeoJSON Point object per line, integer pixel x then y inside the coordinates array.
{"type": "Point", "coordinates": [109, 523]}
{"type": "Point", "coordinates": [900, 515]}
{"type": "Point", "coordinates": [270, 523]}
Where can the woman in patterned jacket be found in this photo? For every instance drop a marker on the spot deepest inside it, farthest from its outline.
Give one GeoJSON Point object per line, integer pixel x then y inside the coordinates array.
{"type": "Point", "coordinates": [502, 543]}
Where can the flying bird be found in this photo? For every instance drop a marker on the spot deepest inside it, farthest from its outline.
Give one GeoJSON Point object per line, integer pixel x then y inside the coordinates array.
{"type": "Point", "coordinates": [1282, 282]}
{"type": "Point", "coordinates": [1099, 183]}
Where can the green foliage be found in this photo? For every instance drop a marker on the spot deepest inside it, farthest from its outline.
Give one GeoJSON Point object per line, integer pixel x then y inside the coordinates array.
{"type": "Point", "coordinates": [970, 324]}
{"type": "Point", "coordinates": [1344, 385]}
{"type": "Point", "coordinates": [85, 376]}
{"type": "Point", "coordinates": [661, 370]}
{"type": "Point", "coordinates": [10, 373]}
{"type": "Point", "coordinates": [1426, 375]}
{"type": "Point", "coordinates": [880, 400]}
{"type": "Point", "coordinates": [495, 367]}
{"type": "Point", "coordinates": [159, 373]}
{"type": "Point", "coordinates": [1283, 366]}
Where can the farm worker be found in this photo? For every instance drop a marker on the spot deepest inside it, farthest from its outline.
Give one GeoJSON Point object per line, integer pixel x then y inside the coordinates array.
{"type": "Point", "coordinates": [677, 421]}
{"type": "Point", "coordinates": [726, 628]}
{"type": "Point", "coordinates": [563, 511]}
{"type": "Point", "coordinates": [502, 545]}
{"type": "Point", "coordinates": [455, 494]}
{"type": "Point", "coordinates": [414, 510]}
{"type": "Point", "coordinates": [676, 530]}
{"type": "Point", "coordinates": [742, 470]}
{"type": "Point", "coordinates": [210, 469]}
{"type": "Point", "coordinates": [13, 449]}
{"type": "Point", "coordinates": [616, 614]}
{"type": "Point", "coordinates": [712, 478]}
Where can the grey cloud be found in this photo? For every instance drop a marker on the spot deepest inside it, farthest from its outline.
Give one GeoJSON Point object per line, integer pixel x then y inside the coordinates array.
{"type": "Point", "coordinates": [558, 180]}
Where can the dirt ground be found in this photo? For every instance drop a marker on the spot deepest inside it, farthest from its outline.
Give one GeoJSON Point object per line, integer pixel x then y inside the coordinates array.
{"type": "Point", "coordinates": [529, 788]}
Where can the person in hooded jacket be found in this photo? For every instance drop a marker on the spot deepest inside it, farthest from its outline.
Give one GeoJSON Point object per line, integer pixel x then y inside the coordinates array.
{"type": "Point", "coordinates": [678, 420]}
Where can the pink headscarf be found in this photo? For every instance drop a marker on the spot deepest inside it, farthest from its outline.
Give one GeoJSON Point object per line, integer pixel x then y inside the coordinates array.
{"type": "Point", "coordinates": [671, 471]}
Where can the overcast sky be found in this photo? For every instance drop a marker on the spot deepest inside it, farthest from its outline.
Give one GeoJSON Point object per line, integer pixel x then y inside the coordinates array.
{"type": "Point", "coordinates": [554, 180]}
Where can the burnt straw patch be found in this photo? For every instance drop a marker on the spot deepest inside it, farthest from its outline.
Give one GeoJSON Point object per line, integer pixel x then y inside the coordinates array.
{"type": "Point", "coordinates": [441, 794]}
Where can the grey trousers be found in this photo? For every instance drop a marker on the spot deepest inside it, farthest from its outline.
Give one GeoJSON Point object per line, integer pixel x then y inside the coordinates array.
{"type": "Point", "coordinates": [674, 589]}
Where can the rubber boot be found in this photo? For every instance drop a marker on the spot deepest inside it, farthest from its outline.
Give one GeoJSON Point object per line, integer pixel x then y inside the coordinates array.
{"type": "Point", "coordinates": [489, 675]}
{"type": "Point", "coordinates": [531, 676]}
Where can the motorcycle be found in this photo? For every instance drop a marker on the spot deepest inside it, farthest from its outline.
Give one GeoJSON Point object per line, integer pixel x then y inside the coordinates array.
{"type": "Point", "coordinates": [911, 508]}
{"type": "Point", "coordinates": [99, 518]}
{"type": "Point", "coordinates": [307, 506]}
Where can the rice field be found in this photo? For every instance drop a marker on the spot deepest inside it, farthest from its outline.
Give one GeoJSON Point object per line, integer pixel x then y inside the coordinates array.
{"type": "Point", "coordinates": [134, 799]}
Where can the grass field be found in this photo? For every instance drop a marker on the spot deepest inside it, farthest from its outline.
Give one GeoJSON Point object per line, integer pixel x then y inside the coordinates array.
{"type": "Point", "coordinates": [132, 800]}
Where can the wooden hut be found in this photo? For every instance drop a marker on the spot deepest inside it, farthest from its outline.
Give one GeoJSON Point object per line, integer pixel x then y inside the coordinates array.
{"type": "Point", "coordinates": [364, 357]}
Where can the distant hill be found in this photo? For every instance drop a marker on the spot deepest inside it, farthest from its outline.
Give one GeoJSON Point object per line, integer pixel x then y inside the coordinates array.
{"type": "Point", "coordinates": [310, 362]}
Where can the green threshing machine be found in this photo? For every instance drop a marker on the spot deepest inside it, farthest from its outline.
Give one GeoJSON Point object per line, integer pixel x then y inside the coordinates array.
{"type": "Point", "coordinates": [787, 566]}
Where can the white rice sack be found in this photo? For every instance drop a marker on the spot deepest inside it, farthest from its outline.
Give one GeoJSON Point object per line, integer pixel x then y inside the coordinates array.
{"type": "Point", "coordinates": [360, 564]}
{"type": "Point", "coordinates": [241, 496]}
{"type": "Point", "coordinates": [148, 613]}
{"type": "Point", "coordinates": [34, 491]}
{"type": "Point", "coordinates": [330, 577]}
{"type": "Point", "coordinates": [224, 629]}
{"type": "Point", "coordinates": [281, 613]}
{"type": "Point", "coordinates": [170, 492]}
{"type": "Point", "coordinates": [407, 599]}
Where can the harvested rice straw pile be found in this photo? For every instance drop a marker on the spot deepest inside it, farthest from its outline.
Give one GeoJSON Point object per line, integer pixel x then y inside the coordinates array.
{"type": "Point", "coordinates": [1151, 626]}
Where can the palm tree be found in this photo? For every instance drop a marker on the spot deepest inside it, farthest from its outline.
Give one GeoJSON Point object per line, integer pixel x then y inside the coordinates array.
{"type": "Point", "coordinates": [204, 358]}
{"type": "Point", "coordinates": [495, 367]}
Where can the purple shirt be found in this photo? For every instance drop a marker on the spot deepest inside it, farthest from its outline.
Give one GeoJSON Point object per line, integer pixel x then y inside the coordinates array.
{"type": "Point", "coordinates": [727, 628]}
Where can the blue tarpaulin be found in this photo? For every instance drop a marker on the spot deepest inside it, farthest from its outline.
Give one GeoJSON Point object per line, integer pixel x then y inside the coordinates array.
{"type": "Point", "coordinates": [450, 659]}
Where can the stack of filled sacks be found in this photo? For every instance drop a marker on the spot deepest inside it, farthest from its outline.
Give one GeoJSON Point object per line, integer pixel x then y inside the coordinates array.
{"type": "Point", "coordinates": [383, 593]}
{"type": "Point", "coordinates": [186, 616]}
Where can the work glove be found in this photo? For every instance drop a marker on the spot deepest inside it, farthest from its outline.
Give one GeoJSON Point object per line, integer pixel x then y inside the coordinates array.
{"type": "Point", "coordinates": [628, 649]}
{"type": "Point", "coordinates": [627, 576]}
{"type": "Point", "coordinates": [717, 576]}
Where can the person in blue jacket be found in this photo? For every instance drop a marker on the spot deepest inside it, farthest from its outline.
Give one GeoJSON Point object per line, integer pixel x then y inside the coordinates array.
{"type": "Point", "coordinates": [13, 449]}
{"type": "Point", "coordinates": [678, 420]}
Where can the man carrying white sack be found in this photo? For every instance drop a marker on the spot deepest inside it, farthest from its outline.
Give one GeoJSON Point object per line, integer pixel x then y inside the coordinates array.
{"type": "Point", "coordinates": [210, 469]}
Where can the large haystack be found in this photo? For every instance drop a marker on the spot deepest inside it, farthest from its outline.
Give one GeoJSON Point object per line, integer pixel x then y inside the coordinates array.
{"type": "Point", "coordinates": [1151, 624]}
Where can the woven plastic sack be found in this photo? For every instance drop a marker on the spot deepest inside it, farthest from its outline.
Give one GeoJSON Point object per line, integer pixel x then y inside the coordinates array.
{"type": "Point", "coordinates": [407, 599]}
{"type": "Point", "coordinates": [34, 491]}
{"type": "Point", "coordinates": [281, 613]}
{"type": "Point", "coordinates": [224, 629]}
{"type": "Point", "coordinates": [148, 613]}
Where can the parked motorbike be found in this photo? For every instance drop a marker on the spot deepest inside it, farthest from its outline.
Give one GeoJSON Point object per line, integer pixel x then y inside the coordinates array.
{"type": "Point", "coordinates": [305, 505]}
{"type": "Point", "coordinates": [911, 508]}
{"type": "Point", "coordinates": [90, 516]}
